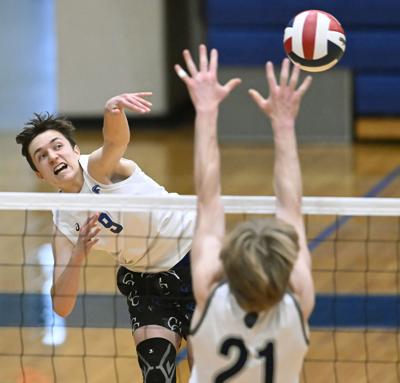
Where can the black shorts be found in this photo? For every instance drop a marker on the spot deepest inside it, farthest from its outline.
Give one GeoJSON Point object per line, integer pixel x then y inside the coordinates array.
{"type": "Point", "coordinates": [165, 299]}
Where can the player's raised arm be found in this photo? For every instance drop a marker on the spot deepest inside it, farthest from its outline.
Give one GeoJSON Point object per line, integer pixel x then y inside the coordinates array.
{"type": "Point", "coordinates": [104, 161]}
{"type": "Point", "coordinates": [206, 94]}
{"type": "Point", "coordinates": [282, 107]}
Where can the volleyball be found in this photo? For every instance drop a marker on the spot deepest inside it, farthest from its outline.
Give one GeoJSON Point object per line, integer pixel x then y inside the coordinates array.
{"type": "Point", "coordinates": [315, 40]}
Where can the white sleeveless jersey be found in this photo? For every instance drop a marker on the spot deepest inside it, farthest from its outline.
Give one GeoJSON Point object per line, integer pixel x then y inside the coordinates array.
{"type": "Point", "coordinates": [270, 349]}
{"type": "Point", "coordinates": [142, 242]}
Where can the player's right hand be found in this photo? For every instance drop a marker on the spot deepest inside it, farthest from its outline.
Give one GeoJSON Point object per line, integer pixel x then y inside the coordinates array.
{"type": "Point", "coordinates": [134, 102]}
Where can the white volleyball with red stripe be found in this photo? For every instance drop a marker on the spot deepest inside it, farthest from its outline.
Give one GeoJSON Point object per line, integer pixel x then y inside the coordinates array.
{"type": "Point", "coordinates": [315, 40]}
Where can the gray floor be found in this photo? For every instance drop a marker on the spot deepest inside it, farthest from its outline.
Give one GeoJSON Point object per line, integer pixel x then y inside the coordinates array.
{"type": "Point", "coordinates": [28, 60]}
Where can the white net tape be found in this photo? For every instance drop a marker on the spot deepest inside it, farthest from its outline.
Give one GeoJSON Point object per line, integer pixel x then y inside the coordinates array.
{"type": "Point", "coordinates": [232, 204]}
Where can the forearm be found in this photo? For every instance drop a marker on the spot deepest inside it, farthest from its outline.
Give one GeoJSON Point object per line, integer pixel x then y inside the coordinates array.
{"type": "Point", "coordinates": [210, 226]}
{"type": "Point", "coordinates": [116, 128]}
{"type": "Point", "coordinates": [287, 180]}
{"type": "Point", "coordinates": [207, 174]}
{"type": "Point", "coordinates": [66, 286]}
{"type": "Point", "coordinates": [207, 157]}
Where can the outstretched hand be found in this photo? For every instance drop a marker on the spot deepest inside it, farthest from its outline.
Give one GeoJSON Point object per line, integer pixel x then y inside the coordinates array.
{"type": "Point", "coordinates": [202, 82]}
{"type": "Point", "coordinates": [284, 99]}
{"type": "Point", "coordinates": [134, 102]}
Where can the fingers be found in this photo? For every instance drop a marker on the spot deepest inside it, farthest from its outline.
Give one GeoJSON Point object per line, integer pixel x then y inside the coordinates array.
{"type": "Point", "coordinates": [284, 77]}
{"type": "Point", "coordinates": [203, 58]}
{"type": "Point", "coordinates": [269, 68]}
{"type": "Point", "coordinates": [189, 63]}
{"type": "Point", "coordinates": [232, 84]}
{"type": "Point", "coordinates": [256, 96]}
{"type": "Point", "coordinates": [284, 73]}
{"type": "Point", "coordinates": [91, 223]}
{"type": "Point", "coordinates": [214, 61]}
{"type": "Point", "coordinates": [295, 77]}
{"type": "Point", "coordinates": [305, 85]}
{"type": "Point", "coordinates": [135, 104]}
{"type": "Point", "coordinates": [132, 101]}
{"type": "Point", "coordinates": [89, 231]}
{"type": "Point", "coordinates": [143, 94]}
{"type": "Point", "coordinates": [204, 64]}
{"type": "Point", "coordinates": [181, 73]}
{"type": "Point", "coordinates": [91, 238]}
{"type": "Point", "coordinates": [138, 99]}
{"type": "Point", "coordinates": [92, 219]}
{"type": "Point", "coordinates": [202, 82]}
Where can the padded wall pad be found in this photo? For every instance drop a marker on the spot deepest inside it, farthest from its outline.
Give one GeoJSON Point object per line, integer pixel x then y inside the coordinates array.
{"type": "Point", "coordinates": [377, 93]}
{"type": "Point", "coordinates": [364, 50]}
{"type": "Point", "coordinates": [278, 13]}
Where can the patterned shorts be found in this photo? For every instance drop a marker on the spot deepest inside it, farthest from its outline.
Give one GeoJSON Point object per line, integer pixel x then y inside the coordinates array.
{"type": "Point", "coordinates": [164, 299]}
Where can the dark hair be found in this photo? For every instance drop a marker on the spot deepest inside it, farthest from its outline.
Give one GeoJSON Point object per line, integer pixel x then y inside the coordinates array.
{"type": "Point", "coordinates": [40, 124]}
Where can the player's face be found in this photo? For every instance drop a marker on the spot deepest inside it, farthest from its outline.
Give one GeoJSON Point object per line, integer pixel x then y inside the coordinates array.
{"type": "Point", "coordinates": [56, 161]}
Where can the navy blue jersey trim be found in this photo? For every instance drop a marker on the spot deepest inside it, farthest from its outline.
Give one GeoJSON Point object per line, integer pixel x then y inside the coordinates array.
{"type": "Point", "coordinates": [302, 321]}
{"type": "Point", "coordinates": [193, 330]}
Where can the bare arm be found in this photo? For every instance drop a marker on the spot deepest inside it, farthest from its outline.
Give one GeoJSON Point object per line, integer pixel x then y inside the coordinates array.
{"type": "Point", "coordinates": [206, 94]}
{"type": "Point", "coordinates": [282, 107]}
{"type": "Point", "coordinates": [67, 265]}
{"type": "Point", "coordinates": [106, 161]}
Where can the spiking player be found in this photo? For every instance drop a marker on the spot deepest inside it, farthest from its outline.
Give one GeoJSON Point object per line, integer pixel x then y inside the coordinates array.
{"type": "Point", "coordinates": [253, 289]}
{"type": "Point", "coordinates": [153, 265]}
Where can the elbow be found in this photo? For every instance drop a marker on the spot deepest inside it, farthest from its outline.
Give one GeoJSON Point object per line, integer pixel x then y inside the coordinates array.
{"type": "Point", "coordinates": [62, 306]}
{"type": "Point", "coordinates": [62, 314]}
{"type": "Point", "coordinates": [60, 309]}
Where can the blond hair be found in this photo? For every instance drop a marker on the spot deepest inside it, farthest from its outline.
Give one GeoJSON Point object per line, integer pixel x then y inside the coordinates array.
{"type": "Point", "coordinates": [258, 257]}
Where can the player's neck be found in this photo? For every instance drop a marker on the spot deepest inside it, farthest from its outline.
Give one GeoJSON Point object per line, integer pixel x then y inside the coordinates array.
{"type": "Point", "coordinates": [73, 186]}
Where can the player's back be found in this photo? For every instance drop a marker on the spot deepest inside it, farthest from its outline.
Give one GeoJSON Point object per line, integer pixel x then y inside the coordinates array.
{"type": "Point", "coordinates": [230, 345]}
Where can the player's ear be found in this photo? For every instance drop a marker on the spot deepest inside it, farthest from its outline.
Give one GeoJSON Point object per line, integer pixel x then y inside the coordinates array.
{"type": "Point", "coordinates": [77, 150]}
{"type": "Point", "coordinates": [38, 174]}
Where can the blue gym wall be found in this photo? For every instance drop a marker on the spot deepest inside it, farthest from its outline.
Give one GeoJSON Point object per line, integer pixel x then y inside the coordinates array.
{"type": "Point", "coordinates": [248, 32]}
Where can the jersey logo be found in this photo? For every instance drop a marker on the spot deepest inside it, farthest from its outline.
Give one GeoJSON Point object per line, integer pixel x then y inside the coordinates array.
{"type": "Point", "coordinates": [77, 227]}
{"type": "Point", "coordinates": [96, 189]}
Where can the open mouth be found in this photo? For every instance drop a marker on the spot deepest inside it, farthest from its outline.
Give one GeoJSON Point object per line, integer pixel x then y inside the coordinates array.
{"type": "Point", "coordinates": [60, 168]}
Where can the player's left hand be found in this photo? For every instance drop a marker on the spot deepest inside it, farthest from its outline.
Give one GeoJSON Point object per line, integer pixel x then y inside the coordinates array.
{"type": "Point", "coordinates": [134, 102]}
{"type": "Point", "coordinates": [284, 96]}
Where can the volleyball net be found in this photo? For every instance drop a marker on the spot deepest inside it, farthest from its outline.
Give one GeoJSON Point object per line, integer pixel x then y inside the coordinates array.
{"type": "Point", "coordinates": [355, 245]}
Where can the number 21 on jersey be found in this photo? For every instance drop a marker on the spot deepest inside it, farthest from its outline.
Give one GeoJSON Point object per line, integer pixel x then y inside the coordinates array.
{"type": "Point", "coordinates": [266, 353]}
